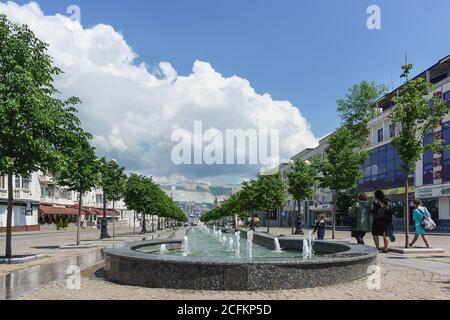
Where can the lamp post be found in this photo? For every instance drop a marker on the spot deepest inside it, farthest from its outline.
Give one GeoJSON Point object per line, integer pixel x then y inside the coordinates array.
{"type": "Point", "coordinates": [104, 225]}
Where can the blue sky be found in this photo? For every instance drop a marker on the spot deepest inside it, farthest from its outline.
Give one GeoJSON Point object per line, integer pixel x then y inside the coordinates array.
{"type": "Point", "coordinates": [307, 52]}
{"type": "Point", "coordinates": [205, 60]}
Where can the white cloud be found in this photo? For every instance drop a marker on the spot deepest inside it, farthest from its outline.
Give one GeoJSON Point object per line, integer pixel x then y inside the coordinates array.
{"type": "Point", "coordinates": [132, 112]}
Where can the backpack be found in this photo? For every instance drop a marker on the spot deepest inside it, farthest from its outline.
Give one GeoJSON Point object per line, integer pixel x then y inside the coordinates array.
{"type": "Point", "coordinates": [379, 212]}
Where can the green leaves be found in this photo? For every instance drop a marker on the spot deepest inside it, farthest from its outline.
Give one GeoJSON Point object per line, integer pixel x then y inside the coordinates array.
{"type": "Point", "coordinates": [359, 106]}
{"type": "Point", "coordinates": [341, 169]}
{"type": "Point", "coordinates": [416, 115]}
{"type": "Point", "coordinates": [264, 193]}
{"type": "Point", "coordinates": [145, 196]}
{"type": "Point", "coordinates": [81, 171]}
{"type": "Point", "coordinates": [112, 179]}
{"type": "Point", "coordinates": [301, 179]}
{"type": "Point", "coordinates": [37, 129]}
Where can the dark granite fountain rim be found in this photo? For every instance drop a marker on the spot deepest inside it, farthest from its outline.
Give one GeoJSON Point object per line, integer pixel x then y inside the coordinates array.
{"type": "Point", "coordinates": [353, 253]}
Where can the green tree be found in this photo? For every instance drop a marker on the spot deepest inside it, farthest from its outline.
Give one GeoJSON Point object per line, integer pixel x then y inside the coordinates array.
{"type": "Point", "coordinates": [301, 181]}
{"type": "Point", "coordinates": [340, 171]}
{"type": "Point", "coordinates": [80, 172]}
{"type": "Point", "coordinates": [135, 191]}
{"type": "Point", "coordinates": [112, 181]}
{"type": "Point", "coordinates": [270, 193]}
{"type": "Point", "coordinates": [359, 106]}
{"type": "Point", "coordinates": [36, 126]}
{"type": "Point", "coordinates": [415, 117]}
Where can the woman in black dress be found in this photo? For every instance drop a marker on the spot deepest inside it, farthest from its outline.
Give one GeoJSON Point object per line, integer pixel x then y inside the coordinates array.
{"type": "Point", "coordinates": [382, 219]}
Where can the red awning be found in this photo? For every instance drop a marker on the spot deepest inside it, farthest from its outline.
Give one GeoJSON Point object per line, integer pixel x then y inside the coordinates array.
{"type": "Point", "coordinates": [61, 211]}
{"type": "Point", "coordinates": [109, 212]}
{"type": "Point", "coordinates": [74, 211]}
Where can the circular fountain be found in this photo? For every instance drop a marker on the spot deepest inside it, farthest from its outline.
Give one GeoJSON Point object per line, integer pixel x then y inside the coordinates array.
{"type": "Point", "coordinates": [219, 260]}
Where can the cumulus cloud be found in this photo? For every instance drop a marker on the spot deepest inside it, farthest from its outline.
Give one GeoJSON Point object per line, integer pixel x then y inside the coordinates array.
{"type": "Point", "coordinates": [132, 112]}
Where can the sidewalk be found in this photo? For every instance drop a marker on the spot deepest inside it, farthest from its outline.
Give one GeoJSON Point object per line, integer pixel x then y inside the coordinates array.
{"type": "Point", "coordinates": [47, 243]}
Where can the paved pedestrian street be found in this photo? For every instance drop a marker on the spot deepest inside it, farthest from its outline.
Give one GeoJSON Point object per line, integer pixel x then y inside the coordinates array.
{"type": "Point", "coordinates": [401, 278]}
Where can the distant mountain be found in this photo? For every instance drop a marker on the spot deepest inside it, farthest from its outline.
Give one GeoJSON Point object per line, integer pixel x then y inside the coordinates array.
{"type": "Point", "coordinates": [197, 192]}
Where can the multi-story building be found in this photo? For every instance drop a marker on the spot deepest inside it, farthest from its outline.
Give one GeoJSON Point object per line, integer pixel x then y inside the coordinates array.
{"type": "Point", "coordinates": [26, 195]}
{"type": "Point", "coordinates": [383, 170]}
{"type": "Point", "coordinates": [39, 201]}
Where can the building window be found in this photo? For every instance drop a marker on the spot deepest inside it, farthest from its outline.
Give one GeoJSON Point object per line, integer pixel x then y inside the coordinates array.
{"type": "Point", "coordinates": [26, 183]}
{"type": "Point", "coordinates": [380, 135]}
{"type": "Point", "coordinates": [446, 153]}
{"type": "Point", "coordinates": [446, 97]}
{"type": "Point", "coordinates": [17, 182]}
{"type": "Point", "coordinates": [3, 182]}
{"type": "Point", "coordinates": [383, 170]}
{"type": "Point", "coordinates": [392, 130]}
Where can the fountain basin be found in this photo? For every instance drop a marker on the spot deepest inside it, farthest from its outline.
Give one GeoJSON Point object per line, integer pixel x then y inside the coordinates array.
{"type": "Point", "coordinates": [342, 262]}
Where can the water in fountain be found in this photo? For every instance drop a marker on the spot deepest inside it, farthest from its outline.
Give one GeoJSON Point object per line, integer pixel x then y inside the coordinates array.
{"type": "Point", "coordinates": [224, 240]}
{"type": "Point", "coordinates": [185, 246]}
{"type": "Point", "coordinates": [306, 251]}
{"type": "Point", "coordinates": [163, 250]}
{"type": "Point", "coordinates": [237, 252]}
{"type": "Point", "coordinates": [230, 243]}
{"type": "Point", "coordinates": [277, 246]}
{"type": "Point", "coordinates": [250, 244]}
{"type": "Point", "coordinates": [310, 243]}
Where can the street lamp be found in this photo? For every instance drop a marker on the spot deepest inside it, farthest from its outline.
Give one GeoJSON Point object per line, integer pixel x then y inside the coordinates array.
{"type": "Point", "coordinates": [104, 225]}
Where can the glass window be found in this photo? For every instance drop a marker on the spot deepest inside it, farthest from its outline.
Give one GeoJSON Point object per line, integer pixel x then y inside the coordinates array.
{"type": "Point", "coordinates": [392, 130]}
{"type": "Point", "coordinates": [17, 182]}
{"type": "Point", "coordinates": [26, 182]}
{"type": "Point", "coordinates": [390, 152]}
{"type": "Point", "coordinates": [380, 135]}
{"type": "Point", "coordinates": [446, 97]}
{"type": "Point", "coordinates": [446, 132]}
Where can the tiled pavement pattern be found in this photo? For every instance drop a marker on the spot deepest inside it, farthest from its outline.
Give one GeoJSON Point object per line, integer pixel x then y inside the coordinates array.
{"type": "Point", "coordinates": [396, 282]}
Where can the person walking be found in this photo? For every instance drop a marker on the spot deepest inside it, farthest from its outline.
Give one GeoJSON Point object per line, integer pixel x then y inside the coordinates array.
{"type": "Point", "coordinates": [320, 227]}
{"type": "Point", "coordinates": [382, 219]}
{"type": "Point", "coordinates": [362, 218]}
{"type": "Point", "coordinates": [420, 214]}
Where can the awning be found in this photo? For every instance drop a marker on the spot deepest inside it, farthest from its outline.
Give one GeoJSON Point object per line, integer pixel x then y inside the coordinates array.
{"type": "Point", "coordinates": [50, 210]}
{"type": "Point", "coordinates": [99, 212]}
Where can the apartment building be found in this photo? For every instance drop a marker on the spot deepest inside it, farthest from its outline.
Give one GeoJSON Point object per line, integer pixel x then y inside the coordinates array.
{"type": "Point", "coordinates": [39, 203]}
{"type": "Point", "coordinates": [26, 202]}
{"type": "Point", "coordinates": [431, 179]}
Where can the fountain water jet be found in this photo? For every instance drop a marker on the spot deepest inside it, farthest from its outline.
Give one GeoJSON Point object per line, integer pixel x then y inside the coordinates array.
{"type": "Point", "coordinates": [185, 246]}
{"type": "Point", "coordinates": [277, 246]}
{"type": "Point", "coordinates": [163, 249]}
{"type": "Point", "coordinates": [250, 244]}
{"type": "Point", "coordinates": [230, 243]}
{"type": "Point", "coordinates": [237, 253]}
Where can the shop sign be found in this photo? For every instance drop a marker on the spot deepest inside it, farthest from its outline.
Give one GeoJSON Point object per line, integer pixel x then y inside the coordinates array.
{"type": "Point", "coordinates": [394, 191]}
{"type": "Point", "coordinates": [425, 193]}
{"type": "Point", "coordinates": [445, 192]}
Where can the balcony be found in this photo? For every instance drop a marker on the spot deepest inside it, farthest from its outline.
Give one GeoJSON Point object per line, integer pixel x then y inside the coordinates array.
{"type": "Point", "coordinates": [46, 179]}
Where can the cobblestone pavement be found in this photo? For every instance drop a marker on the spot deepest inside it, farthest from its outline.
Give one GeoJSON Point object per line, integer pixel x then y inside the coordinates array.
{"type": "Point", "coordinates": [396, 282]}
{"type": "Point", "coordinates": [47, 243]}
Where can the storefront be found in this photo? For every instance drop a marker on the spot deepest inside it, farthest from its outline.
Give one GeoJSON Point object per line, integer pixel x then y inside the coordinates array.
{"type": "Point", "coordinates": [24, 218]}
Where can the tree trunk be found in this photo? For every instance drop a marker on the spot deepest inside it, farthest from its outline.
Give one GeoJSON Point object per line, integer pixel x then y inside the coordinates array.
{"type": "Point", "coordinates": [333, 232]}
{"type": "Point", "coordinates": [8, 249]}
{"type": "Point", "coordinates": [79, 219]}
{"type": "Point", "coordinates": [292, 220]}
{"type": "Point", "coordinates": [406, 210]}
{"type": "Point", "coordinates": [153, 223]}
{"type": "Point", "coordinates": [114, 220]}
{"type": "Point", "coordinates": [134, 221]}
{"type": "Point", "coordinates": [144, 226]}
{"type": "Point", "coordinates": [268, 220]}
